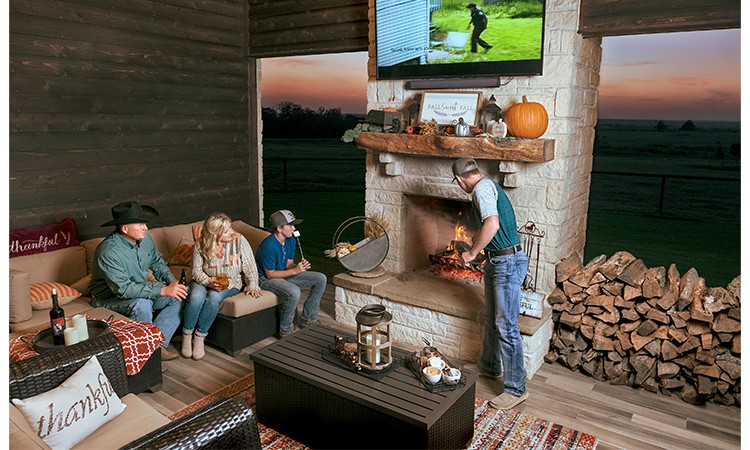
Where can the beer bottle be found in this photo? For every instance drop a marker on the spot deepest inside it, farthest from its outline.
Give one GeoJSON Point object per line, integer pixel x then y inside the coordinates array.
{"type": "Point", "coordinates": [183, 277]}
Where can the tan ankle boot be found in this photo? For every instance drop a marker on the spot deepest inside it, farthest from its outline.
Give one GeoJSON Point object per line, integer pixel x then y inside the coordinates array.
{"type": "Point", "coordinates": [198, 351]}
{"type": "Point", "coordinates": [187, 345]}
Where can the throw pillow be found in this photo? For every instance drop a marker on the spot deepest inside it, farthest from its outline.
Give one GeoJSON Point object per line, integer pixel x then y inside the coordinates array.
{"type": "Point", "coordinates": [28, 241]}
{"type": "Point", "coordinates": [82, 285]}
{"type": "Point", "coordinates": [41, 294]}
{"type": "Point", "coordinates": [65, 415]}
{"type": "Point", "coordinates": [183, 255]}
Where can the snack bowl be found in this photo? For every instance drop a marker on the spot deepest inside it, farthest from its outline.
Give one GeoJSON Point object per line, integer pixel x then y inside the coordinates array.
{"type": "Point", "coordinates": [451, 375]}
{"type": "Point", "coordinates": [432, 374]}
{"type": "Point", "coordinates": [436, 362]}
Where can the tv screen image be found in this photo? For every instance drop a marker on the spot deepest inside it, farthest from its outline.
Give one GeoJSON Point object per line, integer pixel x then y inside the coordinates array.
{"type": "Point", "coordinates": [458, 39]}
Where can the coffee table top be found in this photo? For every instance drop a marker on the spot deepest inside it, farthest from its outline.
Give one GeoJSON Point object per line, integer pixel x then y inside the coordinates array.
{"type": "Point", "coordinates": [399, 393]}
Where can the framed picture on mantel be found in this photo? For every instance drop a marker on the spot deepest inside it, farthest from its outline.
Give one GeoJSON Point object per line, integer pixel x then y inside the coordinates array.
{"type": "Point", "coordinates": [447, 107]}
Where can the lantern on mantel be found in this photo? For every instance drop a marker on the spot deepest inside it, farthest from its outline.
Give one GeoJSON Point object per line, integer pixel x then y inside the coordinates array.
{"type": "Point", "coordinates": [490, 114]}
{"type": "Point", "coordinates": [413, 110]}
{"type": "Point", "coordinates": [374, 338]}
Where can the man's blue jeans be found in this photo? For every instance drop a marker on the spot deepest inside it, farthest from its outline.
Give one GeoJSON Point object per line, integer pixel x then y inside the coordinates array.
{"type": "Point", "coordinates": [142, 310]}
{"type": "Point", "coordinates": [503, 348]}
{"type": "Point", "coordinates": [288, 290]}
{"type": "Point", "coordinates": [202, 306]}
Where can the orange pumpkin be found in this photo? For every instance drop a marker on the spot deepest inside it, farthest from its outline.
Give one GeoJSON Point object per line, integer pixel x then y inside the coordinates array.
{"type": "Point", "coordinates": [527, 119]}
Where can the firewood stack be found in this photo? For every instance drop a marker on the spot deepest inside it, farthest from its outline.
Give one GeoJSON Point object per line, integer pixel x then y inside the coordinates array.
{"type": "Point", "coordinates": [622, 322]}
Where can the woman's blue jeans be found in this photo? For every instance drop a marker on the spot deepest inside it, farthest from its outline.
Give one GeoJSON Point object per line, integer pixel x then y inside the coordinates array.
{"type": "Point", "coordinates": [503, 348]}
{"type": "Point", "coordinates": [202, 306]}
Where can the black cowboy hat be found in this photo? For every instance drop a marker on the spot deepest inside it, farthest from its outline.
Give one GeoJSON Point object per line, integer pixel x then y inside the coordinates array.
{"type": "Point", "coordinates": [130, 212]}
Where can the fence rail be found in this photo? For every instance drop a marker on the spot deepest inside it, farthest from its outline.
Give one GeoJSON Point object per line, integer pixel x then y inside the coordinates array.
{"type": "Point", "coordinates": [659, 195]}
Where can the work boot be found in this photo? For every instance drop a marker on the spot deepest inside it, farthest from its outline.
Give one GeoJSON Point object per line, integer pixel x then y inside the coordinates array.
{"type": "Point", "coordinates": [198, 350]}
{"type": "Point", "coordinates": [166, 354]}
{"type": "Point", "coordinates": [187, 345]}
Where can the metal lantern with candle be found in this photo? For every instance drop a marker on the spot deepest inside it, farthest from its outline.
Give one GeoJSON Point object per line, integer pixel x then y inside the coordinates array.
{"type": "Point", "coordinates": [374, 338]}
{"type": "Point", "coordinates": [491, 114]}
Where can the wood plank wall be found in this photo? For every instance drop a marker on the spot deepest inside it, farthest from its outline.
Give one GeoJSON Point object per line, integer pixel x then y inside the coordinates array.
{"type": "Point", "coordinates": [291, 27]}
{"type": "Point", "coordinates": [628, 17]}
{"type": "Point", "coordinates": [114, 100]}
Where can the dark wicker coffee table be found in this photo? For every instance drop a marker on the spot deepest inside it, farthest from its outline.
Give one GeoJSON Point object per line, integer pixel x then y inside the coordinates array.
{"type": "Point", "coordinates": [325, 405]}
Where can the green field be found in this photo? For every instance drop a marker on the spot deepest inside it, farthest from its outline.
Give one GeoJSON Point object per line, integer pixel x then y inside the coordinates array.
{"type": "Point", "coordinates": [514, 30]}
{"type": "Point", "coordinates": [699, 227]}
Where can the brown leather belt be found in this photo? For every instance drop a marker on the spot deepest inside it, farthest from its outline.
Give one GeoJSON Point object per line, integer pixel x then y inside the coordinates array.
{"type": "Point", "coordinates": [505, 251]}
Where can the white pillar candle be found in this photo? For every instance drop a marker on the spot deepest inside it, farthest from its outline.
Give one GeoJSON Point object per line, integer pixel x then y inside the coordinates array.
{"type": "Point", "coordinates": [71, 336]}
{"type": "Point", "coordinates": [368, 341]}
{"type": "Point", "coordinates": [81, 326]}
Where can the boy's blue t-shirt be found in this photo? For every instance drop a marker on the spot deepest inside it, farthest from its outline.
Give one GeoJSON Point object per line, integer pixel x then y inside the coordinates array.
{"type": "Point", "coordinates": [272, 255]}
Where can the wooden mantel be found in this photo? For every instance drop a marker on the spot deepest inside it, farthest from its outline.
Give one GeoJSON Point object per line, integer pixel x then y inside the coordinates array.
{"type": "Point", "coordinates": [510, 149]}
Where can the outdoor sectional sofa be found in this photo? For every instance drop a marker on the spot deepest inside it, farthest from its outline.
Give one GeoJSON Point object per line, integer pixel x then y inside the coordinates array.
{"type": "Point", "coordinates": [224, 423]}
{"type": "Point", "coordinates": [242, 320]}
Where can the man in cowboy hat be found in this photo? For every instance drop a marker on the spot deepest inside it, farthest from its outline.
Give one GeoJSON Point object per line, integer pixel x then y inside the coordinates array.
{"type": "Point", "coordinates": [282, 276]}
{"type": "Point", "coordinates": [504, 272]}
{"type": "Point", "coordinates": [119, 277]}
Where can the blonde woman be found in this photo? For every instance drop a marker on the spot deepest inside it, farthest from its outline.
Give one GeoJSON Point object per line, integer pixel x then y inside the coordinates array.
{"type": "Point", "coordinates": [218, 250]}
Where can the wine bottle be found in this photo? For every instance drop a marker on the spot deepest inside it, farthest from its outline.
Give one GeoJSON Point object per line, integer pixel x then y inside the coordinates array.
{"type": "Point", "coordinates": [57, 320]}
{"type": "Point", "coordinates": [183, 277]}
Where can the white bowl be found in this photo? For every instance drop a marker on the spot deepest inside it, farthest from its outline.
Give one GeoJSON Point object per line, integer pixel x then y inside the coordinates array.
{"type": "Point", "coordinates": [436, 362]}
{"type": "Point", "coordinates": [434, 374]}
{"type": "Point", "coordinates": [451, 375]}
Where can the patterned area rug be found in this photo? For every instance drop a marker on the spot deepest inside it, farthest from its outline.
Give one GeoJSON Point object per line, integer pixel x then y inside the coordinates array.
{"type": "Point", "coordinates": [493, 429]}
{"type": "Point", "coordinates": [496, 429]}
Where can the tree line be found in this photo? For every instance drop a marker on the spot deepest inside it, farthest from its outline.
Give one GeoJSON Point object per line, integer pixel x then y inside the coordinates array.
{"type": "Point", "coordinates": [290, 120]}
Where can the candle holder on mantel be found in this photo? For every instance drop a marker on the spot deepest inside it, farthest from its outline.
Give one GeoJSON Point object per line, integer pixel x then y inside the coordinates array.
{"type": "Point", "coordinates": [374, 338]}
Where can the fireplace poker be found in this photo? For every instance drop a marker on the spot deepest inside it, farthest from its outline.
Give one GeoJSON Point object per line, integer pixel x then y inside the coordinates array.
{"type": "Point", "coordinates": [299, 243]}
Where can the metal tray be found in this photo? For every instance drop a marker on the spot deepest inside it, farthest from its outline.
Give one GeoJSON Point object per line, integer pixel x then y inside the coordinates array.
{"type": "Point", "coordinates": [43, 341]}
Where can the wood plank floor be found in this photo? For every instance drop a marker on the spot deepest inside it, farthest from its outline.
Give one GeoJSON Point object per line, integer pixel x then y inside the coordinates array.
{"type": "Point", "coordinates": [620, 416]}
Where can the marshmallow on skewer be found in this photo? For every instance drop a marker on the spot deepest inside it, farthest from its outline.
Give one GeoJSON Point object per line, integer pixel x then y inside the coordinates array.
{"type": "Point", "coordinates": [296, 234]}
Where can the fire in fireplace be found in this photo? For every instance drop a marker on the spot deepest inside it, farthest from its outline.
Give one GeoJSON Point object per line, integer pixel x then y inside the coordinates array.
{"type": "Point", "coordinates": [448, 263]}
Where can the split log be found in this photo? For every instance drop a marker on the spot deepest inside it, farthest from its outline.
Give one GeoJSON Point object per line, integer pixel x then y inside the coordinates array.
{"type": "Point", "coordinates": [614, 266]}
{"type": "Point", "coordinates": [567, 267]}
{"type": "Point", "coordinates": [622, 322]}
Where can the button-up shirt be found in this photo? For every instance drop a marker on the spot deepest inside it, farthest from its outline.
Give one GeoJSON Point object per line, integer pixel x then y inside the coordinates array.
{"type": "Point", "coordinates": [120, 269]}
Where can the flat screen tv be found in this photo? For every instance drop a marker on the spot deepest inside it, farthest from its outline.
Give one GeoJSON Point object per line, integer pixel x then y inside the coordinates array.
{"type": "Point", "coordinates": [433, 39]}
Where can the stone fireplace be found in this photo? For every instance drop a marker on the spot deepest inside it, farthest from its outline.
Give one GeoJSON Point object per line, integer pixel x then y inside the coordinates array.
{"type": "Point", "coordinates": [547, 180]}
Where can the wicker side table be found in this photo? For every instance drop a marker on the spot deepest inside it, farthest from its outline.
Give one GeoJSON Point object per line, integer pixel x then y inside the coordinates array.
{"type": "Point", "coordinates": [325, 405]}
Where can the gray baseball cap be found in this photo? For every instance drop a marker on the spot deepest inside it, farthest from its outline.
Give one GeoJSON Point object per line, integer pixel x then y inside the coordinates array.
{"type": "Point", "coordinates": [463, 165]}
{"type": "Point", "coordinates": [284, 217]}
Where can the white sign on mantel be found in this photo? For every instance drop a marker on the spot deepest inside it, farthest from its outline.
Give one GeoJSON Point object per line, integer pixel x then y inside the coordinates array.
{"type": "Point", "coordinates": [447, 107]}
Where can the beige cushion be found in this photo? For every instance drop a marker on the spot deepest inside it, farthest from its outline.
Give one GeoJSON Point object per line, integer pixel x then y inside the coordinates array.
{"type": "Point", "coordinates": [254, 235]}
{"type": "Point", "coordinates": [176, 235]}
{"type": "Point", "coordinates": [242, 304]}
{"type": "Point", "coordinates": [19, 305]}
{"type": "Point", "coordinates": [90, 247]}
{"type": "Point", "coordinates": [40, 319]}
{"type": "Point", "coordinates": [137, 420]}
{"type": "Point", "coordinates": [66, 265]}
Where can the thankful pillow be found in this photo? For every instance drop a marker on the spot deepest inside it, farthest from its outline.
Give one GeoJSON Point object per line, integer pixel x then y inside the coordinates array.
{"type": "Point", "coordinates": [41, 294]}
{"type": "Point", "coordinates": [65, 415]}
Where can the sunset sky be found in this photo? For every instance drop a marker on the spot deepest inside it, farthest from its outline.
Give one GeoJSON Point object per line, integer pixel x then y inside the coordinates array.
{"type": "Point", "coordinates": [671, 76]}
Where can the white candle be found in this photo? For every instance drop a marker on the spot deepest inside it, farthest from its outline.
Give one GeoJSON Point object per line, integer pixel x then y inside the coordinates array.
{"type": "Point", "coordinates": [368, 341]}
{"type": "Point", "coordinates": [71, 336]}
{"type": "Point", "coordinates": [81, 326]}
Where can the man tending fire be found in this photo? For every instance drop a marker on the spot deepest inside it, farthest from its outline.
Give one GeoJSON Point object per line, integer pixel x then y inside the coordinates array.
{"type": "Point", "coordinates": [504, 272]}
